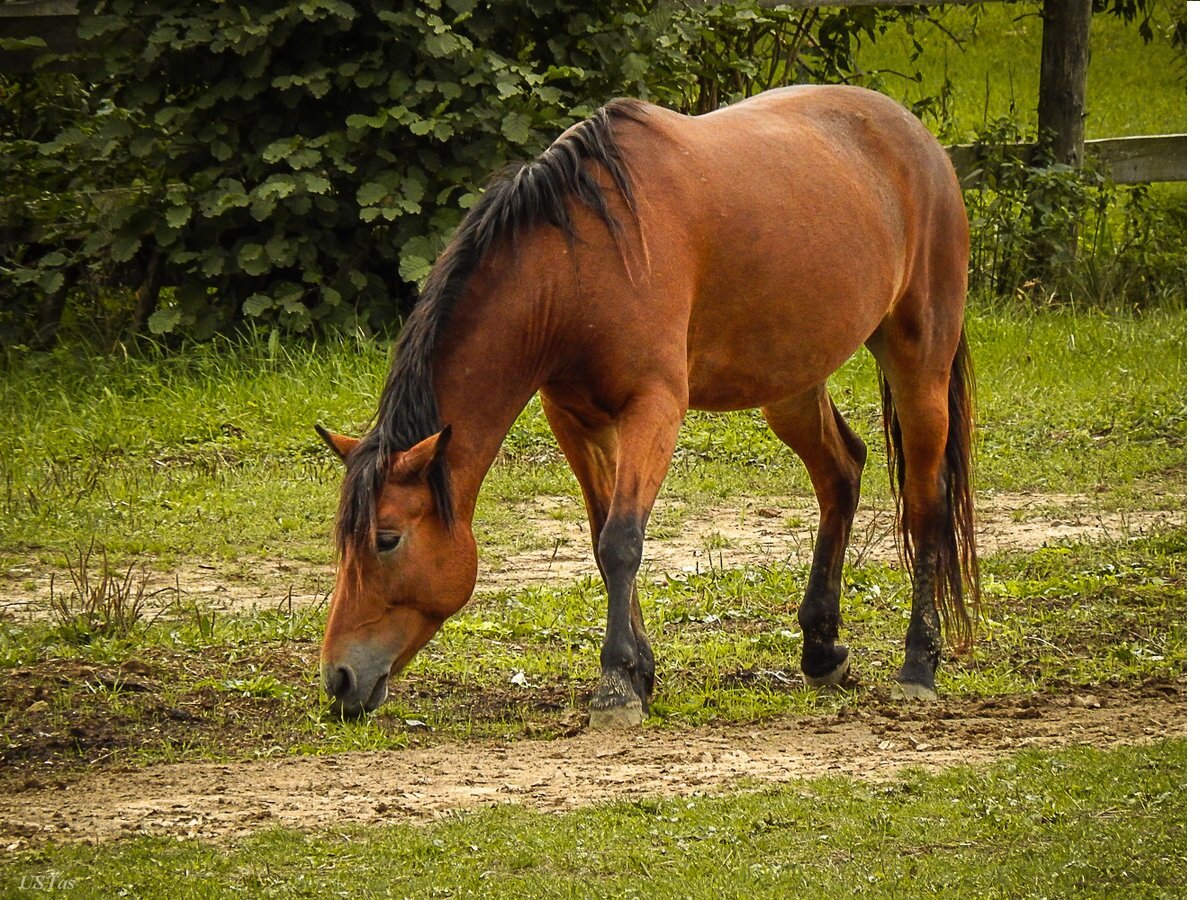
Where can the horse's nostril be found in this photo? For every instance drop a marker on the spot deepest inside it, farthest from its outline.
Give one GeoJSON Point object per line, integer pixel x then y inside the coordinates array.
{"type": "Point", "coordinates": [340, 682]}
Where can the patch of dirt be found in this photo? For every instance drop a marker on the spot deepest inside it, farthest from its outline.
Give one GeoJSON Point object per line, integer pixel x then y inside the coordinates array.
{"type": "Point", "coordinates": [762, 531]}
{"type": "Point", "coordinates": [225, 800]}
{"type": "Point", "coordinates": [223, 586]}
{"type": "Point", "coordinates": [70, 715]}
{"type": "Point", "coordinates": [757, 532]}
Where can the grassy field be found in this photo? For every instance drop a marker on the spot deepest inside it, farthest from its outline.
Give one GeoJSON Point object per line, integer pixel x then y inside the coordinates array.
{"type": "Point", "coordinates": [1132, 88]}
{"type": "Point", "coordinates": [1072, 823]}
{"type": "Point", "coordinates": [212, 453]}
{"type": "Point", "coordinates": [194, 684]}
{"type": "Point", "coordinates": [167, 459]}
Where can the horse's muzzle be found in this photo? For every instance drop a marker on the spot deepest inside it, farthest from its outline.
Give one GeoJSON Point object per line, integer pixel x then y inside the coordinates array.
{"type": "Point", "coordinates": [355, 686]}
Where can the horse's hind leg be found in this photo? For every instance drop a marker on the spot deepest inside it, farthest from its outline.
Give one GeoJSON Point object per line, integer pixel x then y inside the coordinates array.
{"type": "Point", "coordinates": [927, 402]}
{"type": "Point", "coordinates": [618, 498]}
{"type": "Point", "coordinates": [923, 424]}
{"type": "Point", "coordinates": [834, 455]}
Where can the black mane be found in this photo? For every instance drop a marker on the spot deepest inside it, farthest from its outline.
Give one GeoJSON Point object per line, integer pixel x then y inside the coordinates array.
{"type": "Point", "coordinates": [519, 197]}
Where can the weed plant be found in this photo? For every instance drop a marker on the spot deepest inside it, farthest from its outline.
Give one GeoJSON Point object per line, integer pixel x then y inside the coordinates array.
{"type": "Point", "coordinates": [108, 603]}
{"type": "Point", "coordinates": [972, 73]}
{"type": "Point", "coordinates": [1050, 234]}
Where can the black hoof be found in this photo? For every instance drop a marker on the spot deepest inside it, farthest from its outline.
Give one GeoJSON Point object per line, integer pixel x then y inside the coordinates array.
{"type": "Point", "coordinates": [825, 667]}
{"type": "Point", "coordinates": [915, 681]}
{"type": "Point", "coordinates": [904, 690]}
{"type": "Point", "coordinates": [834, 676]}
{"type": "Point", "coordinates": [616, 705]}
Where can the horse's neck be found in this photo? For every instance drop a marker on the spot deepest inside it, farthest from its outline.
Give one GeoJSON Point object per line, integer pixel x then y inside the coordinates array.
{"type": "Point", "coordinates": [488, 366]}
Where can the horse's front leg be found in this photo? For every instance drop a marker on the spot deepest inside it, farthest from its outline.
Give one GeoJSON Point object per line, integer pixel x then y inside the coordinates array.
{"type": "Point", "coordinates": [833, 454]}
{"type": "Point", "coordinates": [645, 439]}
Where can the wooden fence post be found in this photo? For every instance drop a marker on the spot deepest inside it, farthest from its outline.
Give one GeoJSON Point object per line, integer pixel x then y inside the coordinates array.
{"type": "Point", "coordinates": [1065, 28]}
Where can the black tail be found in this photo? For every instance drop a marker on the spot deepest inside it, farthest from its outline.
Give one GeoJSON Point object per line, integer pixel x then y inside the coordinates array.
{"type": "Point", "coordinates": [956, 564]}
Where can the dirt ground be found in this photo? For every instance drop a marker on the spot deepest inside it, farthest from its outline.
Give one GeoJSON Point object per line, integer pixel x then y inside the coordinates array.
{"type": "Point", "coordinates": [777, 530]}
{"type": "Point", "coordinates": [757, 532]}
{"type": "Point", "coordinates": [875, 739]}
{"type": "Point", "coordinates": [225, 800]}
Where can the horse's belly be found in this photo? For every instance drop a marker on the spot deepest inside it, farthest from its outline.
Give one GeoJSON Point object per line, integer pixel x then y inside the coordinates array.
{"type": "Point", "coordinates": [722, 378]}
{"type": "Point", "coordinates": [753, 350]}
{"type": "Point", "coordinates": [784, 296]}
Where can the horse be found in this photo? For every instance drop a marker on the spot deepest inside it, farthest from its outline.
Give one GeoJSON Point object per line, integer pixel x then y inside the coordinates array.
{"type": "Point", "coordinates": [648, 263]}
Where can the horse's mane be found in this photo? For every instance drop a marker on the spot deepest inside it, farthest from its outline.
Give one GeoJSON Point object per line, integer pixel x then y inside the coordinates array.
{"type": "Point", "coordinates": [519, 197]}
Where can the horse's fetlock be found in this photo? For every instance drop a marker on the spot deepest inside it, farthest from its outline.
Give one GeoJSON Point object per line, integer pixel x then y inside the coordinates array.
{"type": "Point", "coordinates": [620, 655]}
{"type": "Point", "coordinates": [819, 619]}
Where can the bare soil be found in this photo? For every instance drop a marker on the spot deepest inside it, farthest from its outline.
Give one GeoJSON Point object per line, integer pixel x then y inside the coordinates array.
{"type": "Point", "coordinates": [69, 780]}
{"type": "Point", "coordinates": [757, 532]}
{"type": "Point", "coordinates": [762, 531]}
{"type": "Point", "coordinates": [225, 800]}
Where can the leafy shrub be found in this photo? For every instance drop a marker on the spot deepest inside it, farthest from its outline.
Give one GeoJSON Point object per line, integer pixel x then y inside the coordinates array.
{"type": "Point", "coordinates": [1050, 233]}
{"type": "Point", "coordinates": [58, 178]}
{"type": "Point", "coordinates": [301, 164]}
{"type": "Point", "coordinates": [308, 159]}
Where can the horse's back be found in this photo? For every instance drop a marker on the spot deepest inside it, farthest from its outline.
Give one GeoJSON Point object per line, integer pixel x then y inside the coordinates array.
{"type": "Point", "coordinates": [790, 224]}
{"type": "Point", "coordinates": [800, 134]}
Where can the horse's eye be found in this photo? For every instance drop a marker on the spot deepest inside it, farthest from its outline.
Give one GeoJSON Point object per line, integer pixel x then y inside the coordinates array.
{"type": "Point", "coordinates": [386, 541]}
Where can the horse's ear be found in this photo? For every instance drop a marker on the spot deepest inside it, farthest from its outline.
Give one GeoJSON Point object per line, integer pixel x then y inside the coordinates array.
{"type": "Point", "coordinates": [338, 443]}
{"type": "Point", "coordinates": [416, 462]}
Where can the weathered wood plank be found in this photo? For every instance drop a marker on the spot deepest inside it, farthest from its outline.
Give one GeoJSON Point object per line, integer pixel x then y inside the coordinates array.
{"type": "Point", "coordinates": [1143, 159]}
{"type": "Point", "coordinates": [53, 21]}
{"type": "Point", "coordinates": [38, 8]}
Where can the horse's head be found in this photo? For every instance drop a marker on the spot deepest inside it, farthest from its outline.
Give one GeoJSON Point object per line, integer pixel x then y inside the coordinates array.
{"type": "Point", "coordinates": [398, 580]}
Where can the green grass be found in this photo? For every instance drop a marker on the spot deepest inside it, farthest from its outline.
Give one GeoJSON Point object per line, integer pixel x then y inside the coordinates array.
{"type": "Point", "coordinates": [212, 454]}
{"type": "Point", "coordinates": [1132, 88]}
{"type": "Point", "coordinates": [1077, 822]}
{"type": "Point", "coordinates": [194, 685]}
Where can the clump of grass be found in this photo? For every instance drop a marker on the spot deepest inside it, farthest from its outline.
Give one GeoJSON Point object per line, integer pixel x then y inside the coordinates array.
{"type": "Point", "coordinates": [107, 603]}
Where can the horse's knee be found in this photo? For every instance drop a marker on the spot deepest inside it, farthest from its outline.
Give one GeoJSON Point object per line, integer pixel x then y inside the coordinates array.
{"type": "Point", "coordinates": [619, 549]}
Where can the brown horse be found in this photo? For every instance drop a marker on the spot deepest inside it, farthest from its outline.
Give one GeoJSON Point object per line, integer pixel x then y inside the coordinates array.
{"type": "Point", "coordinates": [647, 263]}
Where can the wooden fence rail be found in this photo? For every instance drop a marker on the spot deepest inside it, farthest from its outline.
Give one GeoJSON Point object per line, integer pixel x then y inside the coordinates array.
{"type": "Point", "coordinates": [1144, 159]}
{"type": "Point", "coordinates": [52, 21]}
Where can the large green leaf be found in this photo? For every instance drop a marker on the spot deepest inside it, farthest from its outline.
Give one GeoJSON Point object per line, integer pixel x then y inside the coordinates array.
{"type": "Point", "coordinates": [515, 127]}
{"type": "Point", "coordinates": [164, 320]}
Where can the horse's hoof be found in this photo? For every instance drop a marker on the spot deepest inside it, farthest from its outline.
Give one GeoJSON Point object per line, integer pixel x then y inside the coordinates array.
{"type": "Point", "coordinates": [617, 718]}
{"type": "Point", "coordinates": [833, 677]}
{"type": "Point", "coordinates": [910, 690]}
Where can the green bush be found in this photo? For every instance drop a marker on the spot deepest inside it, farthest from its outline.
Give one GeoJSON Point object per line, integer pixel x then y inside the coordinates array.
{"type": "Point", "coordinates": [303, 162]}
{"type": "Point", "coordinates": [1053, 234]}
{"type": "Point", "coordinates": [57, 178]}
{"type": "Point", "coordinates": [300, 165]}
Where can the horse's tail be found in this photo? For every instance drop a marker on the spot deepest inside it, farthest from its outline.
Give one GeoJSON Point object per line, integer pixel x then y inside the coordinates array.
{"type": "Point", "coordinates": [956, 563]}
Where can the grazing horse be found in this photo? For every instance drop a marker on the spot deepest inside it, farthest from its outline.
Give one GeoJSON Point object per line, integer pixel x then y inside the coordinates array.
{"type": "Point", "coordinates": [645, 264]}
